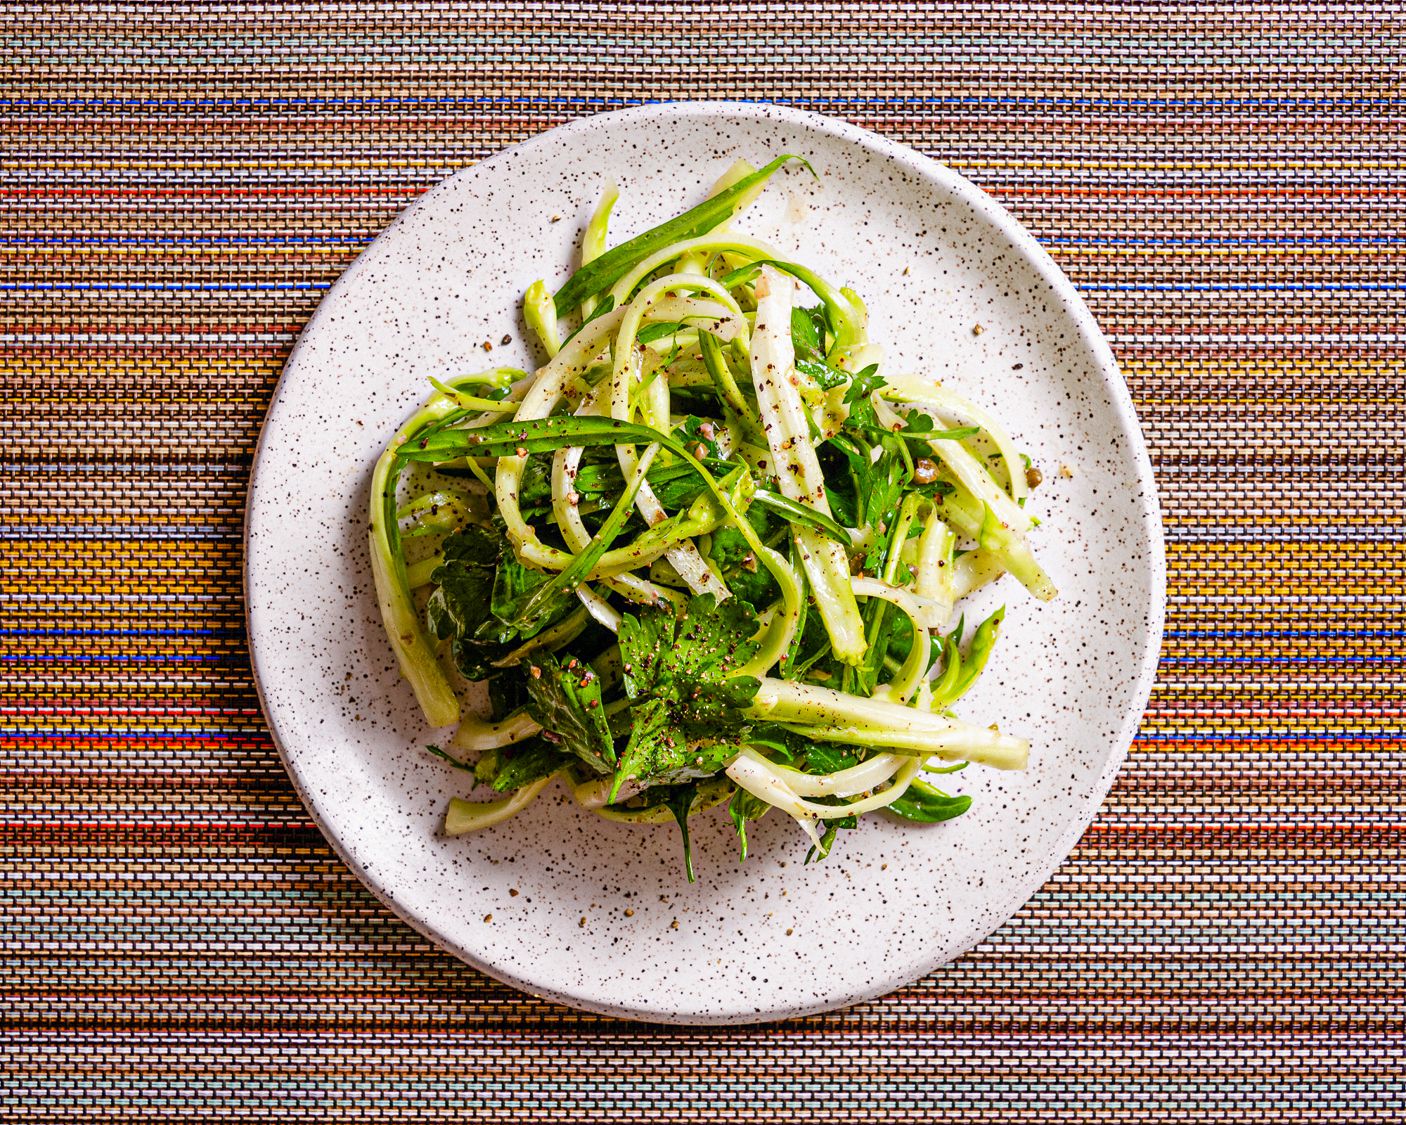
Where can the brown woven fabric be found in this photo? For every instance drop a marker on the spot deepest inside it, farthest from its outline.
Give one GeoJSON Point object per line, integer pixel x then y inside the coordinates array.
{"type": "Point", "coordinates": [180, 185]}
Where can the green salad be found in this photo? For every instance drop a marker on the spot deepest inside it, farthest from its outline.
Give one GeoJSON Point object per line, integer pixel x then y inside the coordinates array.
{"type": "Point", "coordinates": [711, 551]}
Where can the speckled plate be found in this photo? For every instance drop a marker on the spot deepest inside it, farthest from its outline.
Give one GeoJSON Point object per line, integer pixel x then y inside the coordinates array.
{"type": "Point", "coordinates": [596, 914]}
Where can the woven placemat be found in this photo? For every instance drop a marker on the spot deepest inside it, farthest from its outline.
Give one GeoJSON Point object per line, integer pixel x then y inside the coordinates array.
{"type": "Point", "coordinates": [183, 182]}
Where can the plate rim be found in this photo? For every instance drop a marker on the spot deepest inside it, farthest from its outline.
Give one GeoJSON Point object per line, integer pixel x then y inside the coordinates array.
{"type": "Point", "coordinates": [925, 168]}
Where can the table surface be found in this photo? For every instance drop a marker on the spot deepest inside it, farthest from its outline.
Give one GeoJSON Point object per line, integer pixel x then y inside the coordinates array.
{"type": "Point", "coordinates": [181, 184]}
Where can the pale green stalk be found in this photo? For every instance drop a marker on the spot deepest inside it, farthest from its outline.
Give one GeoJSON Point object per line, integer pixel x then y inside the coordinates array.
{"type": "Point", "coordinates": [952, 408]}
{"type": "Point", "coordinates": [710, 243]}
{"type": "Point", "coordinates": [475, 734]}
{"type": "Point", "coordinates": [911, 673]}
{"type": "Point", "coordinates": [415, 652]}
{"type": "Point", "coordinates": [472, 816]}
{"type": "Point", "coordinates": [593, 241]}
{"type": "Point", "coordinates": [540, 312]}
{"type": "Point", "coordinates": [786, 424]}
{"type": "Point", "coordinates": [837, 716]}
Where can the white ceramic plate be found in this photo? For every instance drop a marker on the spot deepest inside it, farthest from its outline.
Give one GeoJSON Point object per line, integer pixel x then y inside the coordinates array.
{"type": "Point", "coordinates": [596, 914]}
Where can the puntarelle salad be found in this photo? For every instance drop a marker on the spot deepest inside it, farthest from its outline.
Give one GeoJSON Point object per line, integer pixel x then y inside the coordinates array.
{"type": "Point", "coordinates": [710, 551]}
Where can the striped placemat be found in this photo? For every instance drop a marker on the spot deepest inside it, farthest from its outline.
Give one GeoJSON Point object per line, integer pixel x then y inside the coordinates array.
{"type": "Point", "coordinates": [182, 182]}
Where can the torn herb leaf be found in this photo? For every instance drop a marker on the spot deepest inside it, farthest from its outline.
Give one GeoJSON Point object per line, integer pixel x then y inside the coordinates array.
{"type": "Point", "coordinates": [658, 753]}
{"type": "Point", "coordinates": [566, 700]}
{"type": "Point", "coordinates": [686, 705]}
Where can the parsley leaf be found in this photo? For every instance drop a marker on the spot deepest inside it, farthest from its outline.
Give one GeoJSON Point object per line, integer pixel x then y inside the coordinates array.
{"type": "Point", "coordinates": [918, 423]}
{"type": "Point", "coordinates": [745, 574]}
{"type": "Point", "coordinates": [861, 386]}
{"type": "Point", "coordinates": [827, 757]}
{"type": "Point", "coordinates": [826, 377]}
{"type": "Point", "coordinates": [480, 591]}
{"type": "Point", "coordinates": [461, 609]}
{"type": "Point", "coordinates": [919, 426]}
{"type": "Point", "coordinates": [521, 604]}
{"type": "Point", "coordinates": [685, 702]}
{"type": "Point", "coordinates": [659, 751]}
{"type": "Point", "coordinates": [566, 700]}
{"type": "Point", "coordinates": [678, 658]}
{"type": "Point", "coordinates": [808, 329]}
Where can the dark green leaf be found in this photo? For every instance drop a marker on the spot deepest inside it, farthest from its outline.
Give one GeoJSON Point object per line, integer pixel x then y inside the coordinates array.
{"type": "Point", "coordinates": [514, 587]}
{"type": "Point", "coordinates": [840, 495]}
{"type": "Point", "coordinates": [716, 709]}
{"type": "Point", "coordinates": [526, 762]}
{"type": "Point", "coordinates": [678, 671]}
{"type": "Point", "coordinates": [808, 332]}
{"type": "Point", "coordinates": [863, 384]}
{"type": "Point", "coordinates": [744, 574]}
{"type": "Point", "coordinates": [829, 757]}
{"type": "Point", "coordinates": [922, 802]}
{"type": "Point", "coordinates": [464, 581]}
{"type": "Point", "coordinates": [658, 752]}
{"type": "Point", "coordinates": [680, 802]}
{"type": "Point", "coordinates": [461, 608]}
{"type": "Point", "coordinates": [900, 641]}
{"type": "Point", "coordinates": [674, 657]}
{"type": "Point", "coordinates": [566, 700]}
{"type": "Point", "coordinates": [645, 639]}
{"type": "Point", "coordinates": [814, 652]}
{"type": "Point", "coordinates": [825, 376]}
{"type": "Point", "coordinates": [507, 692]}
{"type": "Point", "coordinates": [785, 746]}
{"type": "Point", "coordinates": [677, 486]}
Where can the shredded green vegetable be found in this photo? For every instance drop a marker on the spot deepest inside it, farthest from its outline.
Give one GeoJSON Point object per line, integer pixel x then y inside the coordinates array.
{"type": "Point", "coordinates": [707, 552]}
